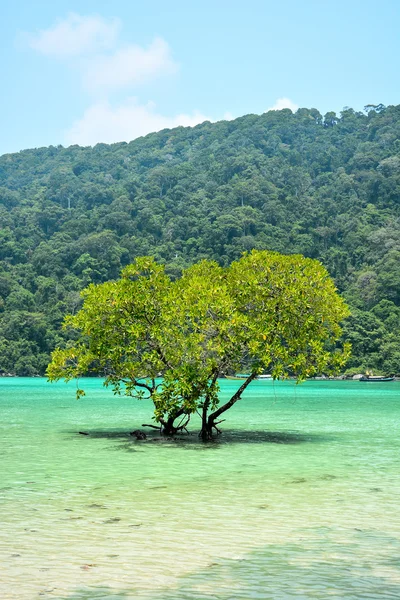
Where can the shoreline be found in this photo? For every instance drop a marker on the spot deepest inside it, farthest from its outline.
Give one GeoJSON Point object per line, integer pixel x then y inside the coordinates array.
{"type": "Point", "coordinates": [317, 378]}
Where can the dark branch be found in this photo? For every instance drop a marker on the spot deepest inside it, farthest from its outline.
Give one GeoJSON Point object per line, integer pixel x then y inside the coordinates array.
{"type": "Point", "coordinates": [236, 396]}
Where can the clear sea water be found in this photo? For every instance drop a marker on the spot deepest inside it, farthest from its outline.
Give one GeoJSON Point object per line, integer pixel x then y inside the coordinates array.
{"type": "Point", "coordinates": [299, 498]}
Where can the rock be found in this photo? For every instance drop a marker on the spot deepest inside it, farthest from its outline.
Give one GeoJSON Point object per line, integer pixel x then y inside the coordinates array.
{"type": "Point", "coordinates": [139, 435]}
{"type": "Point", "coordinates": [112, 520]}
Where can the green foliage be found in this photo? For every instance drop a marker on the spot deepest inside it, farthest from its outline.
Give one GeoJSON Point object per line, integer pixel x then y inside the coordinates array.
{"type": "Point", "coordinates": [326, 187]}
{"type": "Point", "coordinates": [265, 311]}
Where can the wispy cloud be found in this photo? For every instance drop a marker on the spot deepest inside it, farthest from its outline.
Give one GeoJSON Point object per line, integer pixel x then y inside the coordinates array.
{"type": "Point", "coordinates": [76, 35]}
{"type": "Point", "coordinates": [129, 66]}
{"type": "Point", "coordinates": [91, 45]}
{"type": "Point", "coordinates": [282, 103]}
{"type": "Point", "coordinates": [105, 123]}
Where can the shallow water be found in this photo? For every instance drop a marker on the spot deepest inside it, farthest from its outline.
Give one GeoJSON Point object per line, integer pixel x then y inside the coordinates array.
{"type": "Point", "coordinates": [298, 499]}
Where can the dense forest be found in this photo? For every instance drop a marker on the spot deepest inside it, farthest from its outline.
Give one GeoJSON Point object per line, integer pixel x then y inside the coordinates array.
{"type": "Point", "coordinates": [326, 186]}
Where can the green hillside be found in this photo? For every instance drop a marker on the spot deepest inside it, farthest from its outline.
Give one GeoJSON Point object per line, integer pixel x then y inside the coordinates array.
{"type": "Point", "coordinates": [327, 187]}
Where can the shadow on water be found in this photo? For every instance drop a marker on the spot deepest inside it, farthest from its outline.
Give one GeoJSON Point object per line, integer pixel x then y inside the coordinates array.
{"type": "Point", "coordinates": [189, 441]}
{"type": "Point", "coordinates": [96, 593]}
{"type": "Point", "coordinates": [325, 569]}
{"type": "Point", "coordinates": [269, 575]}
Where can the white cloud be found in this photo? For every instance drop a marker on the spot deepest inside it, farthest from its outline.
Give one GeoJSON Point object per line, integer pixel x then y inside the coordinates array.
{"type": "Point", "coordinates": [76, 35]}
{"type": "Point", "coordinates": [93, 48]}
{"type": "Point", "coordinates": [102, 122]}
{"type": "Point", "coordinates": [128, 66]}
{"type": "Point", "coordinates": [103, 64]}
{"type": "Point", "coordinates": [282, 103]}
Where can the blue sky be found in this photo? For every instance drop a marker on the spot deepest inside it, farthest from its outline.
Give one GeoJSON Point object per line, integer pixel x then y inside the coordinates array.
{"type": "Point", "coordinates": [91, 71]}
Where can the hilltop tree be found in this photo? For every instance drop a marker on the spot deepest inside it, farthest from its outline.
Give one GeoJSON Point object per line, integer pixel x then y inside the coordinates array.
{"type": "Point", "coordinates": [264, 311]}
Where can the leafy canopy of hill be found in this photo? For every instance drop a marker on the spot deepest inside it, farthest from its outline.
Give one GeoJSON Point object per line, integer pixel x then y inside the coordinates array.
{"type": "Point", "coordinates": [326, 187]}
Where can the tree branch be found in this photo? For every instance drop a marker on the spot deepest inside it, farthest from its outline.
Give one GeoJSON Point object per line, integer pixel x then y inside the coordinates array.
{"type": "Point", "coordinates": [144, 385]}
{"type": "Point", "coordinates": [152, 426]}
{"type": "Point", "coordinates": [236, 396]}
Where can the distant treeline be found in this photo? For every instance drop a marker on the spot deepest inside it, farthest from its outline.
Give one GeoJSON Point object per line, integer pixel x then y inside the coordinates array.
{"type": "Point", "coordinates": [326, 186]}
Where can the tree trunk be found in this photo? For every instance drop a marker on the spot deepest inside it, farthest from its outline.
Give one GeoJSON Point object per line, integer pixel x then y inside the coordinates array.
{"type": "Point", "coordinates": [204, 432]}
{"type": "Point", "coordinates": [168, 427]}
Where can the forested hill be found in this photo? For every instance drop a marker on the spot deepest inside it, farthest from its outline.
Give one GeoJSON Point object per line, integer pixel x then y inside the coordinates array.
{"type": "Point", "coordinates": [327, 187]}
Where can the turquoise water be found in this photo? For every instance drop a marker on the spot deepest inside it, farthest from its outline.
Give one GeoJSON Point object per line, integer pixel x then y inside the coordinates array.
{"type": "Point", "coordinates": [298, 499]}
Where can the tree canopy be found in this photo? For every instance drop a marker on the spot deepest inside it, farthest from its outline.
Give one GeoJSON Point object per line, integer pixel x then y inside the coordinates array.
{"type": "Point", "coordinates": [325, 186]}
{"type": "Point", "coordinates": [264, 311]}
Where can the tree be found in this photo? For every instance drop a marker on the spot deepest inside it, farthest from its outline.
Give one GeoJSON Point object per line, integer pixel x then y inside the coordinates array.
{"type": "Point", "coordinates": [264, 311]}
